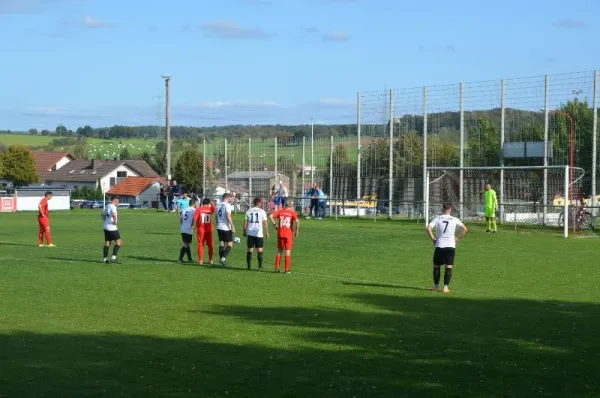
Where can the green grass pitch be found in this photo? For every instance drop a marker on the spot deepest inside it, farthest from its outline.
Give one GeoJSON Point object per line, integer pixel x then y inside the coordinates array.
{"type": "Point", "coordinates": [355, 319]}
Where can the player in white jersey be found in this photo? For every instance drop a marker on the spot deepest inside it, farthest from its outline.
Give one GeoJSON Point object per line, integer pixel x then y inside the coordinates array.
{"type": "Point", "coordinates": [256, 228]}
{"type": "Point", "coordinates": [187, 234]}
{"type": "Point", "coordinates": [111, 231]}
{"type": "Point", "coordinates": [445, 245]}
{"type": "Point", "coordinates": [225, 228]}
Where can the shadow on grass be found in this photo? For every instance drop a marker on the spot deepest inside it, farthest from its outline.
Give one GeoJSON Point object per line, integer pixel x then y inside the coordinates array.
{"type": "Point", "coordinates": [393, 346]}
{"type": "Point", "coordinates": [155, 259]}
{"type": "Point", "coordinates": [76, 260]}
{"type": "Point", "coordinates": [17, 244]}
{"type": "Point", "coordinates": [386, 285]}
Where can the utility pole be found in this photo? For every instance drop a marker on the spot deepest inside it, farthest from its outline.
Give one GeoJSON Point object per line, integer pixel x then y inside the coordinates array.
{"type": "Point", "coordinates": [168, 122]}
{"type": "Point", "coordinates": [312, 152]}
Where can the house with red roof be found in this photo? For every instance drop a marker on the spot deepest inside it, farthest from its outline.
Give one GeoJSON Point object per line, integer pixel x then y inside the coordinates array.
{"type": "Point", "coordinates": [51, 161]}
{"type": "Point", "coordinates": [139, 191]}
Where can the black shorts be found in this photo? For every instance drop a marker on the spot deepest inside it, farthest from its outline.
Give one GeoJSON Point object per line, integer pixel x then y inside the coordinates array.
{"type": "Point", "coordinates": [225, 236]}
{"type": "Point", "coordinates": [444, 256]}
{"type": "Point", "coordinates": [111, 236]}
{"type": "Point", "coordinates": [255, 241]}
{"type": "Point", "coordinates": [187, 238]}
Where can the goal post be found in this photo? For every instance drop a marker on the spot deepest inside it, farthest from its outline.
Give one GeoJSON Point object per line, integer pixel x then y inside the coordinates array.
{"type": "Point", "coordinates": [521, 198]}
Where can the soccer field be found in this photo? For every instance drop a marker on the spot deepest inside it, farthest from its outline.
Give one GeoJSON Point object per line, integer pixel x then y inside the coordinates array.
{"type": "Point", "coordinates": [356, 318]}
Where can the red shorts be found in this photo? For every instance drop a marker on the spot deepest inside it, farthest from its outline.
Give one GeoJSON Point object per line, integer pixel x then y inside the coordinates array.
{"type": "Point", "coordinates": [285, 243]}
{"type": "Point", "coordinates": [205, 237]}
{"type": "Point", "coordinates": [44, 223]}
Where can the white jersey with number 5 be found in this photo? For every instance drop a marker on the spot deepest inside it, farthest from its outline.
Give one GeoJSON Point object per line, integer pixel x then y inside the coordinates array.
{"type": "Point", "coordinates": [109, 212]}
{"type": "Point", "coordinates": [187, 220]}
{"type": "Point", "coordinates": [222, 220]}
{"type": "Point", "coordinates": [445, 230]}
{"type": "Point", "coordinates": [256, 217]}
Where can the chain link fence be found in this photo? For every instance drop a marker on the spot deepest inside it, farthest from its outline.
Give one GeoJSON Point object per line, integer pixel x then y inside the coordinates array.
{"type": "Point", "coordinates": [378, 169]}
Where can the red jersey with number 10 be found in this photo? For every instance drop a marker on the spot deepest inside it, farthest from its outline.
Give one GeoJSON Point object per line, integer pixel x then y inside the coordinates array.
{"type": "Point", "coordinates": [44, 208]}
{"type": "Point", "coordinates": [286, 221]}
{"type": "Point", "coordinates": [203, 218]}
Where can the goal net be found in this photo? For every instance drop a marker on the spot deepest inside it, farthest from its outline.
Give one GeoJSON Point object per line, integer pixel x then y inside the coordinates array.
{"type": "Point", "coordinates": [528, 197]}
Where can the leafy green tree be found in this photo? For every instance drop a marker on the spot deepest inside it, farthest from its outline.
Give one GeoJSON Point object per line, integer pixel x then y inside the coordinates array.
{"type": "Point", "coordinates": [80, 150]}
{"type": "Point", "coordinates": [61, 130]}
{"type": "Point", "coordinates": [124, 155]}
{"type": "Point", "coordinates": [19, 166]}
{"type": "Point", "coordinates": [45, 132]}
{"type": "Point", "coordinates": [188, 170]}
{"type": "Point", "coordinates": [33, 132]}
{"type": "Point", "coordinates": [483, 144]}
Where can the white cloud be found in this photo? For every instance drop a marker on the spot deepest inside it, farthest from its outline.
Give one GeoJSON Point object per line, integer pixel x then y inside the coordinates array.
{"type": "Point", "coordinates": [25, 6]}
{"type": "Point", "coordinates": [336, 36]}
{"type": "Point", "coordinates": [569, 23]}
{"type": "Point", "coordinates": [230, 29]}
{"type": "Point", "coordinates": [90, 23]}
{"type": "Point", "coordinates": [335, 101]}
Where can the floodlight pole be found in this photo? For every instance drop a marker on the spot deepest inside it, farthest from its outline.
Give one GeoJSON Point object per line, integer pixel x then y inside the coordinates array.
{"type": "Point", "coordinates": [168, 122]}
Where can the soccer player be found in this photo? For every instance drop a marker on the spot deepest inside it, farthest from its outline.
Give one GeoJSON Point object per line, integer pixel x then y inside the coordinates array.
{"type": "Point", "coordinates": [445, 245]}
{"type": "Point", "coordinates": [255, 227]}
{"type": "Point", "coordinates": [187, 233]}
{"type": "Point", "coordinates": [287, 219]}
{"type": "Point", "coordinates": [225, 228]}
{"type": "Point", "coordinates": [111, 231]}
{"type": "Point", "coordinates": [44, 221]}
{"type": "Point", "coordinates": [182, 204]}
{"type": "Point", "coordinates": [491, 205]}
{"type": "Point", "coordinates": [204, 229]}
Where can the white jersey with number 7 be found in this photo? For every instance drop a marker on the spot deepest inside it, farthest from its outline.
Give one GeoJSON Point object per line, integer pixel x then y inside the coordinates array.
{"type": "Point", "coordinates": [445, 230]}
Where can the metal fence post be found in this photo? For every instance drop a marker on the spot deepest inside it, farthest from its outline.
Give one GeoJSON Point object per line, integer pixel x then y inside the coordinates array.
{"type": "Point", "coordinates": [502, 130]}
{"type": "Point", "coordinates": [358, 180]}
{"type": "Point", "coordinates": [425, 128]}
{"type": "Point", "coordinates": [462, 148]}
{"type": "Point", "coordinates": [249, 169]}
{"type": "Point", "coordinates": [303, 174]}
{"type": "Point", "coordinates": [546, 129]}
{"type": "Point", "coordinates": [204, 167]}
{"type": "Point", "coordinates": [330, 175]}
{"type": "Point", "coordinates": [276, 170]}
{"type": "Point", "coordinates": [226, 168]}
{"type": "Point", "coordinates": [391, 164]}
{"type": "Point", "coordinates": [595, 143]}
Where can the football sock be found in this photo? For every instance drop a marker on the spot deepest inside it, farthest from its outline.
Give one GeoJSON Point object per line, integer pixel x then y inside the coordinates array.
{"type": "Point", "coordinates": [48, 237]}
{"type": "Point", "coordinates": [188, 251]}
{"type": "Point", "coordinates": [494, 226]}
{"type": "Point", "coordinates": [260, 259]}
{"type": "Point", "coordinates": [436, 276]}
{"type": "Point", "coordinates": [288, 263]}
{"type": "Point", "coordinates": [221, 251]}
{"type": "Point", "coordinates": [249, 259]}
{"type": "Point", "coordinates": [278, 261]}
{"type": "Point", "coordinates": [447, 276]}
{"type": "Point", "coordinates": [489, 224]}
{"type": "Point", "coordinates": [226, 251]}
{"type": "Point", "coordinates": [211, 251]}
{"type": "Point", "coordinates": [41, 237]}
{"type": "Point", "coordinates": [201, 252]}
{"type": "Point", "coordinates": [105, 251]}
{"type": "Point", "coordinates": [116, 250]}
{"type": "Point", "coordinates": [181, 253]}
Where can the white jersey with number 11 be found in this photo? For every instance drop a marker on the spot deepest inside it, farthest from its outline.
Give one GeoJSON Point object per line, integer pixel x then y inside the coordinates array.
{"type": "Point", "coordinates": [445, 230]}
{"type": "Point", "coordinates": [256, 217]}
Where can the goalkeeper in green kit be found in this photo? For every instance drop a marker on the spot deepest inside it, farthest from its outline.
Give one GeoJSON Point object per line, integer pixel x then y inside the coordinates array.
{"type": "Point", "coordinates": [491, 205]}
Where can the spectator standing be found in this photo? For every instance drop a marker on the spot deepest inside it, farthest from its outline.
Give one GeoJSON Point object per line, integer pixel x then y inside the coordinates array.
{"type": "Point", "coordinates": [322, 204]}
{"type": "Point", "coordinates": [313, 194]}
{"type": "Point", "coordinates": [171, 195]}
{"type": "Point", "coordinates": [163, 197]}
{"type": "Point", "coordinates": [283, 194]}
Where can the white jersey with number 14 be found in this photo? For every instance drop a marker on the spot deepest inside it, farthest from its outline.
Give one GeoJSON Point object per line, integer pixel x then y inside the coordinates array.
{"type": "Point", "coordinates": [187, 220]}
{"type": "Point", "coordinates": [445, 230]}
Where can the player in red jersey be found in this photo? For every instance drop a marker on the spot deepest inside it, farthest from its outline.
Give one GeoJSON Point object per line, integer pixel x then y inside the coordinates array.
{"type": "Point", "coordinates": [288, 219]}
{"type": "Point", "coordinates": [44, 221]}
{"type": "Point", "coordinates": [204, 229]}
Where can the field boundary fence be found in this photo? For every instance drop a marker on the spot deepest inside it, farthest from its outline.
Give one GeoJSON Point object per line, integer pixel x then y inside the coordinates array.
{"type": "Point", "coordinates": [378, 167]}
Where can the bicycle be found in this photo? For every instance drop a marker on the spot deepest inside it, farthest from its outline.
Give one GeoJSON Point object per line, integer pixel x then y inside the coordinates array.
{"type": "Point", "coordinates": [580, 215]}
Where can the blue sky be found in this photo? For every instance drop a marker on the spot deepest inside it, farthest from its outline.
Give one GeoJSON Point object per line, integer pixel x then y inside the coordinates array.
{"type": "Point", "coordinates": [99, 62]}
